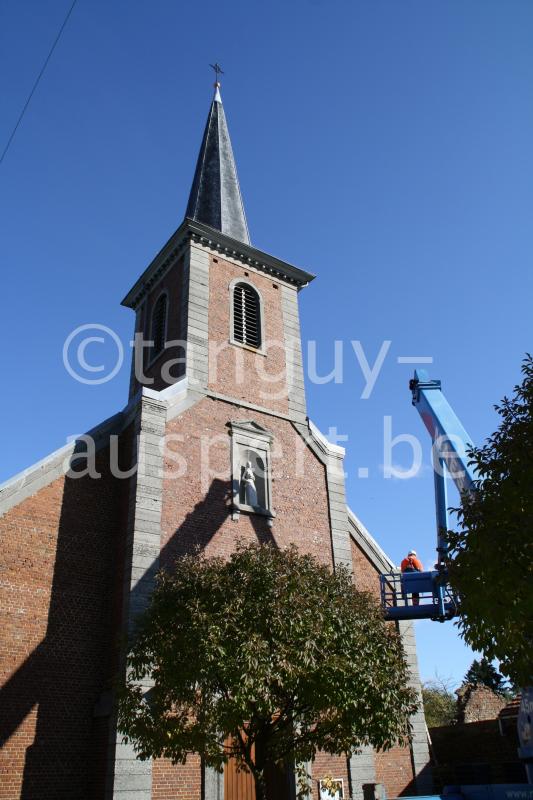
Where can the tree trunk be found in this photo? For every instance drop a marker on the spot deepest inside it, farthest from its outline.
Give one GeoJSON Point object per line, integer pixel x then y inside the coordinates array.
{"type": "Point", "coordinates": [260, 788]}
{"type": "Point", "coordinates": [260, 772]}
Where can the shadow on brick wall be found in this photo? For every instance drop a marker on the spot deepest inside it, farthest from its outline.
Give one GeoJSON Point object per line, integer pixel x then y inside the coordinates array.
{"type": "Point", "coordinates": [66, 674]}
{"type": "Point", "coordinates": [202, 523]}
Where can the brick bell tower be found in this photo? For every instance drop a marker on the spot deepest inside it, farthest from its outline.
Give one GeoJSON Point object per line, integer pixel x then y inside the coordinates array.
{"type": "Point", "coordinates": [214, 309]}
{"type": "Point", "coordinates": [215, 447]}
{"type": "Point", "coordinates": [220, 377]}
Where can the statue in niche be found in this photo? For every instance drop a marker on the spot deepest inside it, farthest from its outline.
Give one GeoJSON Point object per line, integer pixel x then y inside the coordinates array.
{"type": "Point", "coordinates": [248, 483]}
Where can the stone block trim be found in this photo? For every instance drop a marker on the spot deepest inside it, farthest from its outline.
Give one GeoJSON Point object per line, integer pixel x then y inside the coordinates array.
{"type": "Point", "coordinates": [366, 548]}
{"type": "Point", "coordinates": [213, 784]}
{"type": "Point", "coordinates": [366, 542]}
{"type": "Point", "coordinates": [197, 265]}
{"type": "Point", "coordinates": [132, 778]}
{"type": "Point", "coordinates": [219, 244]}
{"type": "Point", "coordinates": [293, 354]}
{"type": "Point", "coordinates": [362, 770]}
{"type": "Point", "coordinates": [139, 328]}
{"type": "Point", "coordinates": [332, 457]}
{"type": "Point", "coordinates": [419, 744]}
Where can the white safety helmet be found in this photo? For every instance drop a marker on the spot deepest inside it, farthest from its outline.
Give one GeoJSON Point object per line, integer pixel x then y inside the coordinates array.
{"type": "Point", "coordinates": [411, 553]}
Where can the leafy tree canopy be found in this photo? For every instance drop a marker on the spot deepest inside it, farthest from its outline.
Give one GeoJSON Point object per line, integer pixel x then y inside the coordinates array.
{"type": "Point", "coordinates": [484, 673]}
{"type": "Point", "coordinates": [440, 703]}
{"type": "Point", "coordinates": [492, 554]}
{"type": "Point", "coordinates": [266, 658]}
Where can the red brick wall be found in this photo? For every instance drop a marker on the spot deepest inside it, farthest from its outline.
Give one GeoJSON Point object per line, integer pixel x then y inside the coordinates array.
{"type": "Point", "coordinates": [477, 703]}
{"type": "Point", "coordinates": [325, 764]}
{"type": "Point", "coordinates": [190, 519]}
{"type": "Point", "coordinates": [197, 514]}
{"type": "Point", "coordinates": [179, 781]}
{"type": "Point", "coordinates": [247, 381]}
{"type": "Point", "coordinates": [233, 370]}
{"type": "Point", "coordinates": [173, 284]}
{"type": "Point", "coordinates": [61, 599]}
{"type": "Point", "coordinates": [395, 771]}
{"type": "Point", "coordinates": [393, 768]}
{"type": "Point", "coordinates": [366, 576]}
{"type": "Point", "coordinates": [183, 781]}
{"type": "Point", "coordinates": [57, 593]}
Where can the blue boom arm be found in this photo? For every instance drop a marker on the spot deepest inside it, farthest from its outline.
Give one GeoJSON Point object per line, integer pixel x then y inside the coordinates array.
{"type": "Point", "coordinates": [450, 443]}
{"type": "Point", "coordinates": [430, 592]}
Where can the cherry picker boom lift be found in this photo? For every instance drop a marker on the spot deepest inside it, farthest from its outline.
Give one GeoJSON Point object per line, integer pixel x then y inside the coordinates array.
{"type": "Point", "coordinates": [450, 442]}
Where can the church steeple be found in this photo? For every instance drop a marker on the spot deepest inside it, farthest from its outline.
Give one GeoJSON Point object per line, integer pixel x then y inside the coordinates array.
{"type": "Point", "coordinates": [215, 197]}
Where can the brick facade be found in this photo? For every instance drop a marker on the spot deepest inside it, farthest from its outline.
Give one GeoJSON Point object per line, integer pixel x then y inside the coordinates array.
{"type": "Point", "coordinates": [81, 554]}
{"type": "Point", "coordinates": [196, 506]}
{"type": "Point", "coordinates": [238, 372]}
{"type": "Point", "coordinates": [61, 553]}
{"type": "Point", "coordinates": [173, 284]}
{"type": "Point", "coordinates": [477, 703]}
{"type": "Point", "coordinates": [393, 768]}
{"type": "Point", "coordinates": [179, 782]}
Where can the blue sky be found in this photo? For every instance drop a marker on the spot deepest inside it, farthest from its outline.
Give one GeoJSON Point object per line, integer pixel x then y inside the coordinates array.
{"type": "Point", "coordinates": [384, 145]}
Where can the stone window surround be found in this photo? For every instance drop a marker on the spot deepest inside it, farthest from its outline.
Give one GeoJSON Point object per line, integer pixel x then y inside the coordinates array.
{"type": "Point", "coordinates": [246, 434]}
{"type": "Point", "coordinates": [261, 349]}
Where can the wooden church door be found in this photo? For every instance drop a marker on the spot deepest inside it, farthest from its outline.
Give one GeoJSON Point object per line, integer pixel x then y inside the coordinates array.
{"type": "Point", "coordinates": [237, 785]}
{"type": "Point", "coordinates": [240, 785]}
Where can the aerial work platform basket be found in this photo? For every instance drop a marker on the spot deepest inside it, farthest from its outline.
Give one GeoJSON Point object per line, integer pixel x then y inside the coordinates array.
{"type": "Point", "coordinates": [417, 595]}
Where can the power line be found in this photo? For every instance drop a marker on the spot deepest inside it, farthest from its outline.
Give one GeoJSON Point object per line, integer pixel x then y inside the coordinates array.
{"type": "Point", "coordinates": [39, 76]}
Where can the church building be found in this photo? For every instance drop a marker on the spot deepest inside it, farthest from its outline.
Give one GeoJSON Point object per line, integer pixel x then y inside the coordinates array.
{"type": "Point", "coordinates": [213, 447]}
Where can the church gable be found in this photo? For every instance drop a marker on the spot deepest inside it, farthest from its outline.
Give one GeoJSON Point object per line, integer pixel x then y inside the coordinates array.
{"type": "Point", "coordinates": [199, 502]}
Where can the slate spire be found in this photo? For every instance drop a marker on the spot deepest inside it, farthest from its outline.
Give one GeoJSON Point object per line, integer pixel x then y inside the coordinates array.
{"type": "Point", "coordinates": [215, 197]}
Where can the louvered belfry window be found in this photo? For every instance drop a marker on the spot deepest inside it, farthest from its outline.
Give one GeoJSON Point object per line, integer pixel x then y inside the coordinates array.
{"type": "Point", "coordinates": [159, 323]}
{"type": "Point", "coordinates": [246, 315]}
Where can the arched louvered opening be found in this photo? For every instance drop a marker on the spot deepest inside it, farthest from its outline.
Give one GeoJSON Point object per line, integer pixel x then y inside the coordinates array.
{"type": "Point", "coordinates": [246, 315]}
{"type": "Point", "coordinates": [159, 324]}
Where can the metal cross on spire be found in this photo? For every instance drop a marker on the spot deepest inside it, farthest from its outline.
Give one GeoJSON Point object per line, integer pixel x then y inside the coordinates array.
{"type": "Point", "coordinates": [218, 70]}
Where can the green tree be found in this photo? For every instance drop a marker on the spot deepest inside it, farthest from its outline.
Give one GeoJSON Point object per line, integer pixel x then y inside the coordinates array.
{"type": "Point", "coordinates": [266, 657]}
{"type": "Point", "coordinates": [491, 565]}
{"type": "Point", "coordinates": [440, 703]}
{"type": "Point", "coordinates": [484, 673]}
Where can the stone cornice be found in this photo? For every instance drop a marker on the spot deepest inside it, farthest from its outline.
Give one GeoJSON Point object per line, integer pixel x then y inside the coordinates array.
{"type": "Point", "coordinates": [166, 257]}
{"type": "Point", "coordinates": [190, 230]}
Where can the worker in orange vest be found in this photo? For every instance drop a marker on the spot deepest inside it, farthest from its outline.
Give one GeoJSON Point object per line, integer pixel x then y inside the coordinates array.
{"type": "Point", "coordinates": [412, 564]}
